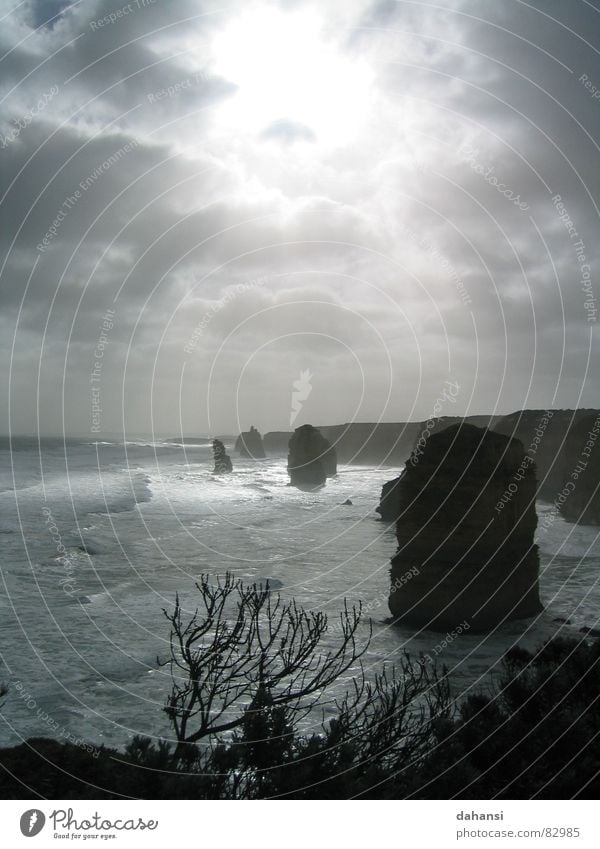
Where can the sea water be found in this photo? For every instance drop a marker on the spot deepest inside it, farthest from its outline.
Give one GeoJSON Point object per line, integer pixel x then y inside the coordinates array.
{"type": "Point", "coordinates": [96, 539]}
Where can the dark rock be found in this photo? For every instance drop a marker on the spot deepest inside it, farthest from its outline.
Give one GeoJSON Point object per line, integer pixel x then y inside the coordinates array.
{"type": "Point", "coordinates": [311, 459]}
{"type": "Point", "coordinates": [578, 496]}
{"type": "Point", "coordinates": [389, 443]}
{"type": "Point", "coordinates": [347, 503]}
{"type": "Point", "coordinates": [222, 460]}
{"type": "Point", "coordinates": [276, 441]}
{"type": "Point", "coordinates": [249, 444]}
{"type": "Point", "coordinates": [562, 620]}
{"type": "Point", "coordinates": [470, 564]}
{"type": "Point", "coordinates": [88, 548]}
{"type": "Point", "coordinates": [545, 435]}
{"type": "Point", "coordinates": [386, 443]}
{"type": "Point", "coordinates": [389, 503]}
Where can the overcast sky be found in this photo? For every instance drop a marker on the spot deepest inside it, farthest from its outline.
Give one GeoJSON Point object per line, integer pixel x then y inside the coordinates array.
{"type": "Point", "coordinates": [201, 201]}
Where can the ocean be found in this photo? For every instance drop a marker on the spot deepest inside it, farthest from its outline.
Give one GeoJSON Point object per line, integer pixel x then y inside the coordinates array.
{"type": "Point", "coordinates": [96, 538]}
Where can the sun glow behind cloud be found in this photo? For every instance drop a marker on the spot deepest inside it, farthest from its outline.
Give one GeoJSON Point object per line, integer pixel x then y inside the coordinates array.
{"type": "Point", "coordinates": [315, 146]}
{"type": "Point", "coordinates": [288, 70]}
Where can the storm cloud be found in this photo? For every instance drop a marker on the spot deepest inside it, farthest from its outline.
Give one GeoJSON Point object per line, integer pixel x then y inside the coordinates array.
{"type": "Point", "coordinates": [388, 195]}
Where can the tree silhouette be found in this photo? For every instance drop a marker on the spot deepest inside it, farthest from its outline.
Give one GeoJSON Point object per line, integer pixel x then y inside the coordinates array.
{"type": "Point", "coordinates": [245, 645]}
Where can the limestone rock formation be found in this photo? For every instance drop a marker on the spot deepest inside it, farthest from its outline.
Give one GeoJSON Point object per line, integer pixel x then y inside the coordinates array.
{"type": "Point", "coordinates": [469, 562]}
{"type": "Point", "coordinates": [389, 443]}
{"type": "Point", "coordinates": [545, 434]}
{"type": "Point", "coordinates": [222, 460]}
{"type": "Point", "coordinates": [311, 458]}
{"type": "Point", "coordinates": [578, 498]}
{"type": "Point", "coordinates": [389, 503]}
{"type": "Point", "coordinates": [277, 441]}
{"type": "Point", "coordinates": [249, 444]}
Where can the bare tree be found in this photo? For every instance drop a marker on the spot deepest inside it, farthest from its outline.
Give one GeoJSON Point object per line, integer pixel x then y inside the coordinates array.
{"type": "Point", "coordinates": [384, 728]}
{"type": "Point", "coordinates": [244, 641]}
{"type": "Point", "coordinates": [389, 719]}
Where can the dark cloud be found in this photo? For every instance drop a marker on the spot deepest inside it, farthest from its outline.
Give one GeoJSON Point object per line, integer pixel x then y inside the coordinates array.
{"type": "Point", "coordinates": [371, 234]}
{"type": "Point", "coordinates": [46, 13]}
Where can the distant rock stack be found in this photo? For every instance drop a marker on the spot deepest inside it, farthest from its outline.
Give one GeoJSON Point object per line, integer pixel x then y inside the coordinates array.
{"type": "Point", "coordinates": [222, 460]}
{"type": "Point", "coordinates": [466, 554]}
{"type": "Point", "coordinates": [250, 444]}
{"type": "Point", "coordinates": [578, 498]}
{"type": "Point", "coordinates": [311, 458]}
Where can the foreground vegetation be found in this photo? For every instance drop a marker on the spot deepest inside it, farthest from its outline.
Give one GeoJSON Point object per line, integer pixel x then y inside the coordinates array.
{"type": "Point", "coordinates": [248, 668]}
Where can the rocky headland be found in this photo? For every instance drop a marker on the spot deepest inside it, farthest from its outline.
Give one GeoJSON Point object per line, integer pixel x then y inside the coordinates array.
{"type": "Point", "coordinates": [470, 565]}
{"type": "Point", "coordinates": [552, 439]}
{"type": "Point", "coordinates": [545, 437]}
{"type": "Point", "coordinates": [389, 502]}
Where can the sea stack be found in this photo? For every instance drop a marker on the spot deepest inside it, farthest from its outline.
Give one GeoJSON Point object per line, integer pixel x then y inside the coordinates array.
{"type": "Point", "coordinates": [249, 444]}
{"type": "Point", "coordinates": [311, 458]}
{"type": "Point", "coordinates": [222, 460]}
{"type": "Point", "coordinates": [466, 554]}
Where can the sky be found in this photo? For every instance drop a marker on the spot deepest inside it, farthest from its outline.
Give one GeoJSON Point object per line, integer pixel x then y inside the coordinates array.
{"type": "Point", "coordinates": [216, 213]}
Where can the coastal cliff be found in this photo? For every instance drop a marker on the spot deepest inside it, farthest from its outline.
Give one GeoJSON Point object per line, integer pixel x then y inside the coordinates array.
{"type": "Point", "coordinates": [470, 564]}
{"type": "Point", "coordinates": [579, 497]}
{"type": "Point", "coordinates": [277, 441]}
{"type": "Point", "coordinates": [389, 503]}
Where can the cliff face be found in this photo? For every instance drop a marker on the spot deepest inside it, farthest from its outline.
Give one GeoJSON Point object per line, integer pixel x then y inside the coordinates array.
{"type": "Point", "coordinates": [277, 441]}
{"type": "Point", "coordinates": [222, 460]}
{"type": "Point", "coordinates": [387, 443]}
{"type": "Point", "coordinates": [249, 444]}
{"type": "Point", "coordinates": [579, 497]}
{"type": "Point", "coordinates": [389, 503]}
{"type": "Point", "coordinates": [468, 561]}
{"type": "Point", "coordinates": [545, 434]}
{"type": "Point", "coordinates": [311, 459]}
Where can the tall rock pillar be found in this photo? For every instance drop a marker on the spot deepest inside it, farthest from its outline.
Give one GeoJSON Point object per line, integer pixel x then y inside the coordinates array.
{"type": "Point", "coordinates": [465, 533]}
